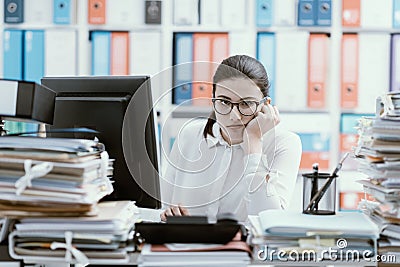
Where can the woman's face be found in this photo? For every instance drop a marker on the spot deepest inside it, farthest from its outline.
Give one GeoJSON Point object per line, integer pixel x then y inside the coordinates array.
{"type": "Point", "coordinates": [235, 90]}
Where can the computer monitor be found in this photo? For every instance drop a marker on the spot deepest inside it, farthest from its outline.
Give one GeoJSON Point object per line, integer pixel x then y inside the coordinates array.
{"type": "Point", "coordinates": [120, 109]}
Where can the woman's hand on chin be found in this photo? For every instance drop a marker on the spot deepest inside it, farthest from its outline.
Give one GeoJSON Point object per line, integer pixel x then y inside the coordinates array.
{"type": "Point", "coordinates": [264, 120]}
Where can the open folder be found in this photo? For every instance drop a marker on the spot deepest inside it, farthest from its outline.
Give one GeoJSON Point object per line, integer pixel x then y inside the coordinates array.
{"type": "Point", "coordinates": [289, 223]}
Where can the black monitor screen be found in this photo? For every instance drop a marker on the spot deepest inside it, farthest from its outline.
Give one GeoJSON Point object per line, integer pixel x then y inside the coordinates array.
{"type": "Point", "coordinates": [120, 109]}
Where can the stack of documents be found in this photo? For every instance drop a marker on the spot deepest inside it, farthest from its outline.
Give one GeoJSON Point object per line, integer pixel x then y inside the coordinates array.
{"type": "Point", "coordinates": [279, 235]}
{"type": "Point", "coordinates": [52, 176]}
{"type": "Point", "coordinates": [235, 253]}
{"type": "Point", "coordinates": [101, 239]}
{"type": "Point", "coordinates": [378, 152]}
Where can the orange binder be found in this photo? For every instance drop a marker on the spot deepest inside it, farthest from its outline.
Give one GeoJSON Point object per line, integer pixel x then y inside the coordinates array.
{"type": "Point", "coordinates": [349, 71]}
{"type": "Point", "coordinates": [351, 13]}
{"type": "Point", "coordinates": [349, 200]}
{"type": "Point", "coordinates": [317, 70]}
{"type": "Point", "coordinates": [308, 158]}
{"type": "Point", "coordinates": [119, 53]}
{"type": "Point", "coordinates": [202, 79]}
{"type": "Point", "coordinates": [97, 11]}
{"type": "Point", "coordinates": [220, 50]}
{"type": "Point", "coordinates": [347, 142]}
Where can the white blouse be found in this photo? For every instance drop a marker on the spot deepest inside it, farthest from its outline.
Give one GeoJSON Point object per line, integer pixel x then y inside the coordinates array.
{"type": "Point", "coordinates": [210, 177]}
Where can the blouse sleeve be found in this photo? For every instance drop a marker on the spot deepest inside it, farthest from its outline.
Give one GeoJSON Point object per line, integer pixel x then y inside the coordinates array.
{"type": "Point", "coordinates": [281, 163]}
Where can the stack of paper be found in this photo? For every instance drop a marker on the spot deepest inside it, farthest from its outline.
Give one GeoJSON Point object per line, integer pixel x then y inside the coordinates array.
{"type": "Point", "coordinates": [279, 235]}
{"type": "Point", "coordinates": [102, 239]}
{"type": "Point", "coordinates": [378, 151]}
{"type": "Point", "coordinates": [235, 253]}
{"type": "Point", "coordinates": [52, 176]}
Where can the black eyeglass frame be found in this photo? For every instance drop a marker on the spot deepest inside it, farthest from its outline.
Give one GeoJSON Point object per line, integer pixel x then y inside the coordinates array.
{"type": "Point", "coordinates": [265, 99]}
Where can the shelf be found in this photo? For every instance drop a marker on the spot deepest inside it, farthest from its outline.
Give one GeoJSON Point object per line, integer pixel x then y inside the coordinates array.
{"type": "Point", "coordinates": [190, 111]}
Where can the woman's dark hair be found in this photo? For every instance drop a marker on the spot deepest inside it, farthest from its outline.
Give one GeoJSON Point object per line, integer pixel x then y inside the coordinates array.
{"type": "Point", "coordinates": [239, 66]}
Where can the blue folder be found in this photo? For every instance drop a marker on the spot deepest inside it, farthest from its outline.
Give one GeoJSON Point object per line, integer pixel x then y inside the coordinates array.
{"type": "Point", "coordinates": [12, 54]}
{"type": "Point", "coordinates": [34, 55]}
{"type": "Point", "coordinates": [266, 55]}
{"type": "Point", "coordinates": [101, 56]}
{"type": "Point", "coordinates": [314, 142]}
{"type": "Point", "coordinates": [306, 13]}
{"type": "Point", "coordinates": [62, 11]}
{"type": "Point", "coordinates": [264, 11]}
{"type": "Point", "coordinates": [33, 64]}
{"type": "Point", "coordinates": [324, 12]}
{"type": "Point", "coordinates": [183, 74]}
{"type": "Point", "coordinates": [13, 11]}
{"type": "Point", "coordinates": [396, 14]}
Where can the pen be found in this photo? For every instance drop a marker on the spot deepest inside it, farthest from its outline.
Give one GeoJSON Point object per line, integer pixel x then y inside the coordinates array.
{"type": "Point", "coordinates": [315, 200]}
{"type": "Point", "coordinates": [314, 188]}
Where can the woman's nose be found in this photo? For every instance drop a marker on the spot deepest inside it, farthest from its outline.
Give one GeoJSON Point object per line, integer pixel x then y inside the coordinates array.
{"type": "Point", "coordinates": [235, 114]}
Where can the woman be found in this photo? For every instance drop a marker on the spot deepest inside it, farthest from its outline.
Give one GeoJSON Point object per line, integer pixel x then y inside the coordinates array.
{"type": "Point", "coordinates": [239, 161]}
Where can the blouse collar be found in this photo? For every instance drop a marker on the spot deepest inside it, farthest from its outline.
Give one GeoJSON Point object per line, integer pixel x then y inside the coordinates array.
{"type": "Point", "coordinates": [217, 139]}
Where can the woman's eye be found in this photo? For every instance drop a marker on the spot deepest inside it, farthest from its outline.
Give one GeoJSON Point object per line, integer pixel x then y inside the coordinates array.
{"type": "Point", "coordinates": [226, 102]}
{"type": "Point", "coordinates": [245, 104]}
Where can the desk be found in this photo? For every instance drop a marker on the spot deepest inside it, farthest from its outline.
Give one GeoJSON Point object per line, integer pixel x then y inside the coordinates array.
{"type": "Point", "coordinates": [5, 259]}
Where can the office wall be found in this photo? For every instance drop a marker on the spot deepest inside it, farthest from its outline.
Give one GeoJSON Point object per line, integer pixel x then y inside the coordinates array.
{"type": "Point", "coordinates": [327, 60]}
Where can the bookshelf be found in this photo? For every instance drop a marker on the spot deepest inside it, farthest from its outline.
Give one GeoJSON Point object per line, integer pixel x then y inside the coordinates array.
{"type": "Point", "coordinates": [242, 29]}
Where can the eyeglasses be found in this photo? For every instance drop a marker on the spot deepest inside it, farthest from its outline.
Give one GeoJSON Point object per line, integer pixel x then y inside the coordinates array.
{"type": "Point", "coordinates": [245, 107]}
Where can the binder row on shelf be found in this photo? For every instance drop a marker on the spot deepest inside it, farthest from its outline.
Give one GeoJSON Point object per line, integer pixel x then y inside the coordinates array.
{"type": "Point", "coordinates": [303, 57]}
{"type": "Point", "coordinates": [378, 151]}
{"type": "Point", "coordinates": [31, 54]}
{"type": "Point", "coordinates": [193, 81]}
{"type": "Point", "coordinates": [37, 12]}
{"type": "Point", "coordinates": [268, 13]}
{"type": "Point", "coordinates": [124, 53]}
{"type": "Point", "coordinates": [64, 12]}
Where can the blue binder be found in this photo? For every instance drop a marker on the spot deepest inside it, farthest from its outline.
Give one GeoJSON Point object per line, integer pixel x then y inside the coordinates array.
{"type": "Point", "coordinates": [314, 142]}
{"type": "Point", "coordinates": [266, 55]}
{"type": "Point", "coordinates": [34, 55]}
{"type": "Point", "coordinates": [62, 11]}
{"type": "Point", "coordinates": [13, 11]}
{"type": "Point", "coordinates": [12, 54]}
{"type": "Point", "coordinates": [306, 13]}
{"type": "Point", "coordinates": [349, 121]}
{"type": "Point", "coordinates": [324, 13]}
{"type": "Point", "coordinates": [396, 14]}
{"type": "Point", "coordinates": [12, 66]}
{"type": "Point", "coordinates": [183, 74]}
{"type": "Point", "coordinates": [33, 64]}
{"type": "Point", "coordinates": [101, 52]}
{"type": "Point", "coordinates": [264, 16]}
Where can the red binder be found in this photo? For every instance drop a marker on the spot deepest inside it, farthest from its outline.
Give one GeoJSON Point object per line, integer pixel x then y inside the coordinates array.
{"type": "Point", "coordinates": [317, 70]}
{"type": "Point", "coordinates": [351, 13]}
{"type": "Point", "coordinates": [202, 67]}
{"type": "Point", "coordinates": [97, 11]}
{"type": "Point", "coordinates": [119, 53]}
{"type": "Point", "coordinates": [349, 71]}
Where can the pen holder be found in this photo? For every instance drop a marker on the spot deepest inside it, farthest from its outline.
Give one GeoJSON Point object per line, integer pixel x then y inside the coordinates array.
{"type": "Point", "coordinates": [312, 183]}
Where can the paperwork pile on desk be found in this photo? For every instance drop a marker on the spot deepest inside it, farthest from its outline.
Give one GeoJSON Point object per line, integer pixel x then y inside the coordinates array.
{"type": "Point", "coordinates": [233, 254]}
{"type": "Point", "coordinates": [52, 187]}
{"type": "Point", "coordinates": [285, 236]}
{"type": "Point", "coordinates": [101, 239]}
{"type": "Point", "coordinates": [52, 176]}
{"type": "Point", "coordinates": [378, 151]}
